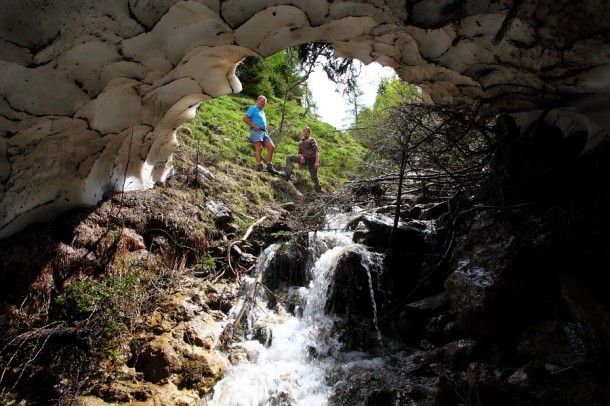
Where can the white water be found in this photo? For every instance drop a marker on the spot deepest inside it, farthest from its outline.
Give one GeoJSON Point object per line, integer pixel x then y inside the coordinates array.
{"type": "Point", "coordinates": [285, 372]}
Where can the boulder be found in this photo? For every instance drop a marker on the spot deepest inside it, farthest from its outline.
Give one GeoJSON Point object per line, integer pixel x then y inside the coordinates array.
{"type": "Point", "coordinates": [158, 359]}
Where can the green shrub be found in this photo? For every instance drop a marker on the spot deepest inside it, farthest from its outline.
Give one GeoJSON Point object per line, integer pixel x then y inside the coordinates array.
{"type": "Point", "coordinates": [105, 307]}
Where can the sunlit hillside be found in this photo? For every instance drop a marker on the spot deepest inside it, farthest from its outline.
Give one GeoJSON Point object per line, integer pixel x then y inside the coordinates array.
{"type": "Point", "coordinates": [221, 136]}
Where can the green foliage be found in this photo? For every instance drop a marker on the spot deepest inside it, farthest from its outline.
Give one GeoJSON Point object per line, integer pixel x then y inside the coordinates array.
{"type": "Point", "coordinates": [375, 130]}
{"type": "Point", "coordinates": [425, 142]}
{"type": "Point", "coordinates": [394, 91]}
{"type": "Point", "coordinates": [218, 128]}
{"type": "Point", "coordinates": [83, 297]}
{"type": "Point", "coordinates": [391, 93]}
{"type": "Point", "coordinates": [255, 76]}
{"type": "Point", "coordinates": [222, 138]}
{"type": "Point", "coordinates": [341, 71]}
{"type": "Point", "coordinates": [104, 307]}
{"type": "Point", "coordinates": [271, 76]}
{"type": "Point", "coordinates": [207, 265]}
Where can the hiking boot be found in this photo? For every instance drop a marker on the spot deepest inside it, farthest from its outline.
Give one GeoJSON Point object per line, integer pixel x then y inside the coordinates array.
{"type": "Point", "coordinates": [317, 188]}
{"type": "Point", "coordinates": [259, 167]}
{"type": "Point", "coordinates": [271, 169]}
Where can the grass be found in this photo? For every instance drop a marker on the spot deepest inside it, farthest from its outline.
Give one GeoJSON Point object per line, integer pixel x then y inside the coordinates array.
{"type": "Point", "coordinates": [222, 137]}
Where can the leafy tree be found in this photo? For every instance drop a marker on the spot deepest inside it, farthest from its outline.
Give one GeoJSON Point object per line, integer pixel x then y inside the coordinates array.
{"type": "Point", "coordinates": [274, 76]}
{"type": "Point", "coordinates": [391, 93]}
{"type": "Point", "coordinates": [300, 62]}
{"type": "Point", "coordinates": [255, 76]}
{"type": "Point", "coordinates": [280, 75]}
{"type": "Point", "coordinates": [284, 75]}
{"type": "Point", "coordinates": [294, 79]}
{"type": "Point", "coordinates": [354, 99]}
{"type": "Point", "coordinates": [342, 71]}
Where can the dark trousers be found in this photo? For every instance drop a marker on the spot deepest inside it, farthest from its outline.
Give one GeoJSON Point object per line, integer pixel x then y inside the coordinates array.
{"type": "Point", "coordinates": [313, 172]}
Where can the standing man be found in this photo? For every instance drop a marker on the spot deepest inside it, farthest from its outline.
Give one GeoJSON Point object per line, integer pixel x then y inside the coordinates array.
{"type": "Point", "coordinates": [309, 154]}
{"type": "Point", "coordinates": [255, 118]}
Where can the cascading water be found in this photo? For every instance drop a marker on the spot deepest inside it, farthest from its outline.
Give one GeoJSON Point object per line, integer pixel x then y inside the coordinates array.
{"type": "Point", "coordinates": [372, 293]}
{"type": "Point", "coordinates": [292, 368]}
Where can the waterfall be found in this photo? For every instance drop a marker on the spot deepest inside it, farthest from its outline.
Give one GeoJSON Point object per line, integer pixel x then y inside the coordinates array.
{"type": "Point", "coordinates": [292, 368]}
{"type": "Point", "coordinates": [372, 293]}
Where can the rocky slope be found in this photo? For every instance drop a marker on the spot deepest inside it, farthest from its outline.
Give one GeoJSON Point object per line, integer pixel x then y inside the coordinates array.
{"type": "Point", "coordinates": [122, 301]}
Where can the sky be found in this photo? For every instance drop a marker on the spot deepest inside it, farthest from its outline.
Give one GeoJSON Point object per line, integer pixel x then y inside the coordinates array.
{"type": "Point", "coordinates": [331, 107]}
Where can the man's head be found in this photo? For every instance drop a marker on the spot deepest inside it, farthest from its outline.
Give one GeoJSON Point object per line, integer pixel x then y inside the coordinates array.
{"type": "Point", "coordinates": [261, 101]}
{"type": "Point", "coordinates": [306, 132]}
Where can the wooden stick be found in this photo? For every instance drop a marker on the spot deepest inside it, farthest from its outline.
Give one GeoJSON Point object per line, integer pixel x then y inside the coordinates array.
{"type": "Point", "coordinates": [250, 298]}
{"type": "Point", "coordinates": [251, 295]}
{"type": "Point", "coordinates": [257, 222]}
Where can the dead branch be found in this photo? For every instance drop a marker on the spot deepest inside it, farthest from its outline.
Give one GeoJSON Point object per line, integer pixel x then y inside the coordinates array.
{"type": "Point", "coordinates": [60, 335]}
{"type": "Point", "coordinates": [249, 231]}
{"type": "Point", "coordinates": [251, 294]}
{"type": "Point", "coordinates": [249, 300]}
{"type": "Point", "coordinates": [230, 248]}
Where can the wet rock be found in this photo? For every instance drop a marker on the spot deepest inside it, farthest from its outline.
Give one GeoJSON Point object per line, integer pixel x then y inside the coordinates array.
{"type": "Point", "coordinates": [459, 353]}
{"type": "Point", "coordinates": [381, 397]}
{"type": "Point", "coordinates": [288, 266]}
{"type": "Point", "coordinates": [583, 304]}
{"type": "Point", "coordinates": [179, 308]}
{"type": "Point", "coordinates": [440, 329]}
{"type": "Point", "coordinates": [520, 378]}
{"type": "Point", "coordinates": [561, 343]}
{"type": "Point", "coordinates": [158, 360]}
{"type": "Point", "coordinates": [240, 353]}
{"type": "Point", "coordinates": [487, 294]}
{"type": "Point", "coordinates": [377, 230]}
{"type": "Point", "coordinates": [199, 334]}
{"type": "Point", "coordinates": [472, 290]}
{"type": "Point", "coordinates": [119, 392]}
{"type": "Point", "coordinates": [485, 385]}
{"type": "Point", "coordinates": [283, 399]}
{"type": "Point", "coordinates": [201, 371]}
{"type": "Point", "coordinates": [295, 301]}
{"type": "Point", "coordinates": [449, 390]}
{"type": "Point", "coordinates": [362, 382]}
{"type": "Point", "coordinates": [355, 283]}
{"type": "Point", "coordinates": [404, 255]}
{"type": "Point", "coordinates": [140, 394]}
{"type": "Point", "coordinates": [414, 315]}
{"type": "Point", "coordinates": [388, 210]}
{"type": "Point", "coordinates": [220, 298]}
{"type": "Point", "coordinates": [436, 210]}
{"type": "Point", "coordinates": [263, 334]}
{"type": "Point", "coordinates": [158, 324]}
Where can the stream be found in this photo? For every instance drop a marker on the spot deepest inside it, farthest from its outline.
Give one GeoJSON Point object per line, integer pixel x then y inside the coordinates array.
{"type": "Point", "coordinates": [288, 356]}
